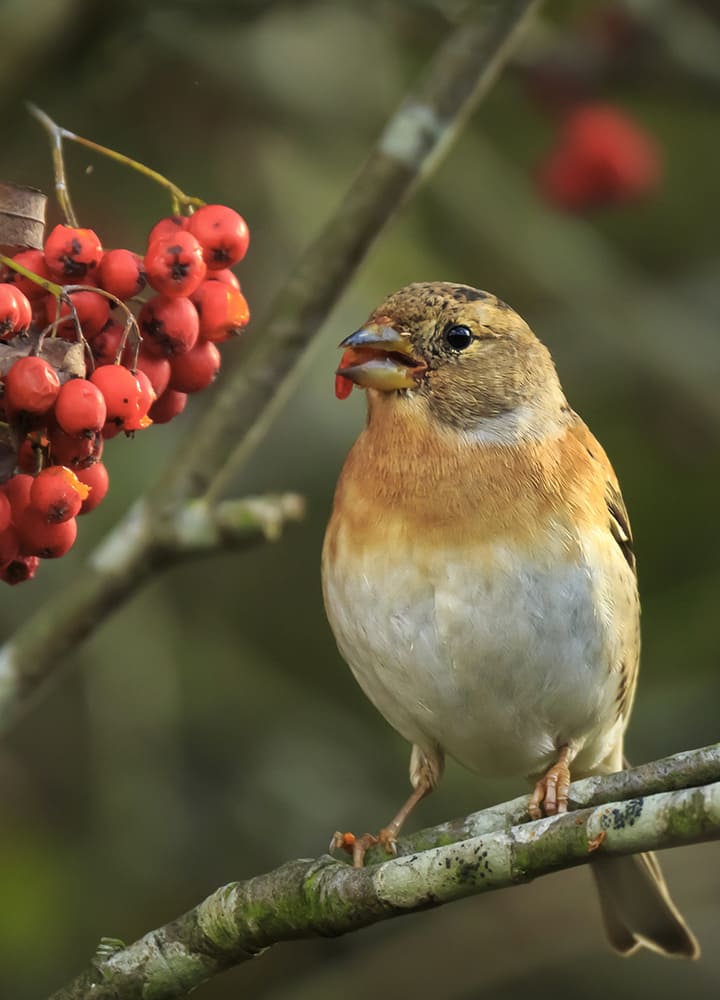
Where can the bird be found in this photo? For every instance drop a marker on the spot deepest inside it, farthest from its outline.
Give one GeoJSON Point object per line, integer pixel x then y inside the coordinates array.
{"type": "Point", "coordinates": [479, 575]}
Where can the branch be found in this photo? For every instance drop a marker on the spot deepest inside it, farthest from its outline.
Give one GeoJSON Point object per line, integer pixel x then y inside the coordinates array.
{"type": "Point", "coordinates": [140, 546]}
{"type": "Point", "coordinates": [460, 73]}
{"type": "Point", "coordinates": [304, 899]}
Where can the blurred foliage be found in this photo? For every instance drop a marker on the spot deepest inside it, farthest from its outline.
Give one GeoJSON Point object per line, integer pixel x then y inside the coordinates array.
{"type": "Point", "coordinates": [210, 730]}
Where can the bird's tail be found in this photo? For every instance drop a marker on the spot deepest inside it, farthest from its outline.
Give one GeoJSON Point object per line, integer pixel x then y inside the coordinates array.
{"type": "Point", "coordinates": [637, 909]}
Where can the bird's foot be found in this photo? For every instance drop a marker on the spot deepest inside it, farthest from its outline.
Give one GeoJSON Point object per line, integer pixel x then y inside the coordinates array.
{"type": "Point", "coordinates": [551, 792]}
{"type": "Point", "coordinates": [359, 846]}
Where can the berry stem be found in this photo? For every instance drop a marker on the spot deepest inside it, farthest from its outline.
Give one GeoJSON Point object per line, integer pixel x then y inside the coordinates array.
{"type": "Point", "coordinates": [49, 286]}
{"type": "Point", "coordinates": [57, 133]}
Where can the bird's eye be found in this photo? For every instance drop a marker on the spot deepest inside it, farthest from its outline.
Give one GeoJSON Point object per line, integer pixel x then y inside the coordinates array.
{"type": "Point", "coordinates": [458, 337]}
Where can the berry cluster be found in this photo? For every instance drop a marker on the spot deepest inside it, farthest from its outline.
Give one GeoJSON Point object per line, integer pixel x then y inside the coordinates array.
{"type": "Point", "coordinates": [79, 367]}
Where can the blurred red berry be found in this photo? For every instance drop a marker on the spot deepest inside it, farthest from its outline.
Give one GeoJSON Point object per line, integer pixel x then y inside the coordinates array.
{"type": "Point", "coordinates": [19, 570]}
{"type": "Point", "coordinates": [602, 157]}
{"type": "Point", "coordinates": [40, 538]}
{"type": "Point", "coordinates": [33, 260]}
{"type": "Point", "coordinates": [167, 406]}
{"type": "Point", "coordinates": [80, 408]}
{"type": "Point", "coordinates": [169, 226]}
{"type": "Point", "coordinates": [222, 233]}
{"type": "Point", "coordinates": [97, 480]}
{"type": "Point", "coordinates": [222, 309]}
{"type": "Point", "coordinates": [57, 494]}
{"type": "Point", "coordinates": [169, 326]}
{"type": "Point", "coordinates": [197, 369]}
{"type": "Point", "coordinates": [174, 264]}
{"type": "Point", "coordinates": [122, 273]}
{"type": "Point", "coordinates": [72, 254]}
{"type": "Point", "coordinates": [31, 386]}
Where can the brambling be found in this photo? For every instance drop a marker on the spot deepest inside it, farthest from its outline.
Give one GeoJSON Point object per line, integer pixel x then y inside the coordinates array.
{"type": "Point", "coordinates": [479, 575]}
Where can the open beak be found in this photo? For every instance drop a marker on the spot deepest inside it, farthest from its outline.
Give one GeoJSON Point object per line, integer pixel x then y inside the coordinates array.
{"type": "Point", "coordinates": [378, 357]}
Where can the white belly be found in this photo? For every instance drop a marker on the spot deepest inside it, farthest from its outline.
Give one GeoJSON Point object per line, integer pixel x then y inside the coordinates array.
{"type": "Point", "coordinates": [496, 659]}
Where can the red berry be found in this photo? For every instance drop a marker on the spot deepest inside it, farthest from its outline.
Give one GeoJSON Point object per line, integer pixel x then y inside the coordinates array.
{"type": "Point", "coordinates": [29, 453]}
{"type": "Point", "coordinates": [122, 273]}
{"type": "Point", "coordinates": [222, 233]}
{"type": "Point", "coordinates": [121, 390]}
{"type": "Point", "coordinates": [169, 326]}
{"type": "Point", "coordinates": [222, 309]}
{"type": "Point", "coordinates": [174, 264]}
{"type": "Point", "coordinates": [33, 260]}
{"type": "Point", "coordinates": [93, 312]}
{"type": "Point", "coordinates": [9, 311]}
{"type": "Point", "coordinates": [197, 369]}
{"type": "Point", "coordinates": [17, 491]}
{"type": "Point", "coordinates": [71, 253]}
{"type": "Point", "coordinates": [80, 408]}
{"type": "Point", "coordinates": [5, 512]}
{"type": "Point", "coordinates": [25, 311]}
{"type": "Point", "coordinates": [106, 344]}
{"type": "Point", "coordinates": [343, 386]}
{"type": "Point", "coordinates": [31, 386]}
{"type": "Point", "coordinates": [15, 311]}
{"type": "Point", "coordinates": [19, 570]}
{"type": "Point", "coordinates": [603, 157]}
{"type": "Point", "coordinates": [9, 545]}
{"type": "Point", "coordinates": [167, 406]}
{"type": "Point", "coordinates": [57, 493]}
{"type": "Point", "coordinates": [74, 452]}
{"type": "Point", "coordinates": [226, 277]}
{"type": "Point", "coordinates": [147, 397]}
{"type": "Point", "coordinates": [97, 480]}
{"type": "Point", "coordinates": [157, 370]}
{"type": "Point", "coordinates": [169, 226]}
{"type": "Point", "coordinates": [38, 537]}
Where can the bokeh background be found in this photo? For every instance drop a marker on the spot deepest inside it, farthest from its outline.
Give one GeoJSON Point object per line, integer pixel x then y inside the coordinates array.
{"type": "Point", "coordinates": [209, 730]}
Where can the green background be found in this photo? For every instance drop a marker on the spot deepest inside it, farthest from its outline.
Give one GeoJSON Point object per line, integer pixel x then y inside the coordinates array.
{"type": "Point", "coordinates": [209, 730]}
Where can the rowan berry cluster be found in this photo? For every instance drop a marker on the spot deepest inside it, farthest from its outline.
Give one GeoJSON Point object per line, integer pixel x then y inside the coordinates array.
{"type": "Point", "coordinates": [99, 357]}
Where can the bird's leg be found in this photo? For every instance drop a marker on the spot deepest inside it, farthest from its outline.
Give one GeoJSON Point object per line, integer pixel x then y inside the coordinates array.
{"type": "Point", "coordinates": [425, 772]}
{"type": "Point", "coordinates": [551, 791]}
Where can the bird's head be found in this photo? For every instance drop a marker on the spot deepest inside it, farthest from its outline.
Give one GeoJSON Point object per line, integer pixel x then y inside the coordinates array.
{"type": "Point", "coordinates": [456, 354]}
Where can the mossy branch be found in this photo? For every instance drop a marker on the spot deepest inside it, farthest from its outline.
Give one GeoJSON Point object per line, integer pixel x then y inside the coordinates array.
{"type": "Point", "coordinates": [460, 73]}
{"type": "Point", "coordinates": [491, 850]}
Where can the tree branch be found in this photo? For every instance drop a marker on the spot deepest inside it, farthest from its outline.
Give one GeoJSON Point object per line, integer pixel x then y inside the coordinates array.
{"type": "Point", "coordinates": [460, 73]}
{"type": "Point", "coordinates": [138, 547]}
{"type": "Point", "coordinates": [304, 899]}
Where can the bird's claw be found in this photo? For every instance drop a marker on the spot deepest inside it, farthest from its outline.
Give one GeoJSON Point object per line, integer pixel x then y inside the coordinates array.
{"type": "Point", "coordinates": [359, 846]}
{"type": "Point", "coordinates": [551, 793]}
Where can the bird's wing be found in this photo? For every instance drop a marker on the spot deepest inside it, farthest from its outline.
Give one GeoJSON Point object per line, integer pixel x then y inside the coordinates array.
{"type": "Point", "coordinates": [618, 520]}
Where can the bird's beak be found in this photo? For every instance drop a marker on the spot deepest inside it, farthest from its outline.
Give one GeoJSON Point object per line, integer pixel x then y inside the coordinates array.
{"type": "Point", "coordinates": [379, 357]}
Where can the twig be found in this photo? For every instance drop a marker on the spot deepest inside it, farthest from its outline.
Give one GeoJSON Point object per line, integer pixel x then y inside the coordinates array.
{"type": "Point", "coordinates": [461, 72]}
{"type": "Point", "coordinates": [304, 899]}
